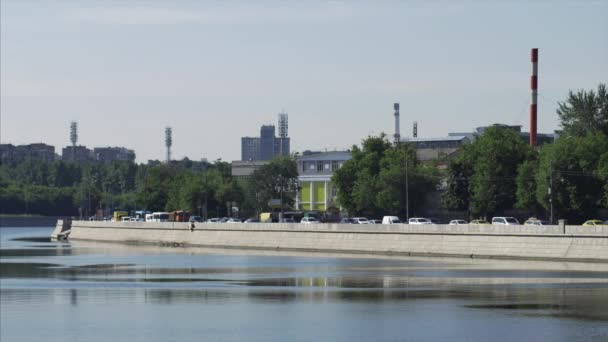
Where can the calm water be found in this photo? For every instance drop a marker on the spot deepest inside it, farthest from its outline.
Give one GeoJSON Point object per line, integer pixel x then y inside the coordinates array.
{"type": "Point", "coordinates": [110, 292]}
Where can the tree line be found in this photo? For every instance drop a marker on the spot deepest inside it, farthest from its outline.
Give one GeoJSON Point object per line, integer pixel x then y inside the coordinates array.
{"type": "Point", "coordinates": [498, 171]}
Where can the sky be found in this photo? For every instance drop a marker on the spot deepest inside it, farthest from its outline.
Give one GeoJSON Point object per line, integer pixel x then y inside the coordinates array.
{"type": "Point", "coordinates": [217, 70]}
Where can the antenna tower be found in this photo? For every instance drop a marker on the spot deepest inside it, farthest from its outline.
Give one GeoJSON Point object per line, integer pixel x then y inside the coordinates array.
{"type": "Point", "coordinates": [283, 128]}
{"type": "Point", "coordinates": [168, 142]}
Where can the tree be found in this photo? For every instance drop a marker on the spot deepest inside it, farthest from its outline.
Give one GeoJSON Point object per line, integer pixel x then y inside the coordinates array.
{"type": "Point", "coordinates": [571, 167]}
{"type": "Point", "coordinates": [275, 180]}
{"type": "Point", "coordinates": [484, 174]}
{"type": "Point", "coordinates": [585, 112]}
{"type": "Point", "coordinates": [373, 182]}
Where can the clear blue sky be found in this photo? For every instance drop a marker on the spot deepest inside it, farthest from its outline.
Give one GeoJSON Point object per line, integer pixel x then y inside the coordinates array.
{"type": "Point", "coordinates": [217, 70]}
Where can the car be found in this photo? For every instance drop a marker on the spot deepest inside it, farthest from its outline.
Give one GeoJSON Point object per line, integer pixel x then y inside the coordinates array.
{"type": "Point", "coordinates": [536, 222]}
{"type": "Point", "coordinates": [457, 222]}
{"type": "Point", "coordinates": [346, 220]}
{"type": "Point", "coordinates": [213, 220]}
{"type": "Point", "coordinates": [479, 222]}
{"type": "Point", "coordinates": [233, 220]}
{"type": "Point", "coordinates": [505, 221]}
{"type": "Point", "coordinates": [126, 219]}
{"type": "Point", "coordinates": [360, 220]}
{"type": "Point", "coordinates": [593, 223]}
{"type": "Point", "coordinates": [375, 222]}
{"type": "Point", "coordinates": [391, 220]}
{"type": "Point", "coordinates": [419, 220]}
{"type": "Point", "coordinates": [252, 220]}
{"type": "Point", "coordinates": [309, 220]}
{"type": "Point", "coordinates": [195, 219]}
{"type": "Point", "coordinates": [288, 220]}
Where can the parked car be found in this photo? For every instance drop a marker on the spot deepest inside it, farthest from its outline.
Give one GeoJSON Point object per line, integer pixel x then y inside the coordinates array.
{"type": "Point", "coordinates": [233, 220]}
{"type": "Point", "coordinates": [213, 220]}
{"type": "Point", "coordinates": [593, 223]}
{"type": "Point", "coordinates": [346, 220]}
{"type": "Point", "coordinates": [375, 222]}
{"type": "Point", "coordinates": [252, 220]}
{"type": "Point", "coordinates": [419, 220]}
{"type": "Point", "coordinates": [391, 220]}
{"type": "Point", "coordinates": [505, 221]}
{"type": "Point", "coordinates": [195, 219]}
{"type": "Point", "coordinates": [457, 222]}
{"type": "Point", "coordinates": [309, 220]}
{"type": "Point", "coordinates": [479, 222]}
{"type": "Point", "coordinates": [536, 222]}
{"type": "Point", "coordinates": [360, 220]}
{"type": "Point", "coordinates": [126, 219]}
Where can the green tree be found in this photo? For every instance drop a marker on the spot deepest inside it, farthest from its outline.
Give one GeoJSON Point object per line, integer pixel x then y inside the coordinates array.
{"type": "Point", "coordinates": [277, 179]}
{"type": "Point", "coordinates": [585, 112]}
{"type": "Point", "coordinates": [373, 181]}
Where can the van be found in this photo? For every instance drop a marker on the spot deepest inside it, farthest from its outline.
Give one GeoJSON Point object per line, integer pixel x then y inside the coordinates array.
{"type": "Point", "coordinates": [390, 220]}
{"type": "Point", "coordinates": [505, 221]}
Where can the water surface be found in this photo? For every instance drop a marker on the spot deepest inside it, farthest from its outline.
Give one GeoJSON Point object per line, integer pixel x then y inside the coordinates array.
{"type": "Point", "coordinates": [99, 292]}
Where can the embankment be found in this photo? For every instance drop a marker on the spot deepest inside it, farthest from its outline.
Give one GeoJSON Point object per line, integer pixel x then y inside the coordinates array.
{"type": "Point", "coordinates": [572, 243]}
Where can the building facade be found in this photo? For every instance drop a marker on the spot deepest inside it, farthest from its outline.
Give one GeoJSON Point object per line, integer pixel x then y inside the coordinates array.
{"type": "Point", "coordinates": [108, 154]}
{"type": "Point", "coordinates": [250, 148]}
{"type": "Point", "coordinates": [315, 171]}
{"type": "Point", "coordinates": [15, 154]}
{"type": "Point", "coordinates": [428, 149]}
{"type": "Point", "coordinates": [77, 154]}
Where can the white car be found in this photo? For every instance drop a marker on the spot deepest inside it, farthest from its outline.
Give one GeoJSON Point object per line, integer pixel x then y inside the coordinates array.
{"type": "Point", "coordinates": [505, 221]}
{"type": "Point", "coordinates": [391, 220]}
{"type": "Point", "coordinates": [457, 222]}
{"type": "Point", "coordinates": [360, 220]}
{"type": "Point", "coordinates": [309, 220]}
{"type": "Point", "coordinates": [419, 220]}
{"type": "Point", "coordinates": [234, 220]}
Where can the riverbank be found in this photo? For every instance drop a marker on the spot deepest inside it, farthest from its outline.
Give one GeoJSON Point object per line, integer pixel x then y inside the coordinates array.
{"type": "Point", "coordinates": [568, 243]}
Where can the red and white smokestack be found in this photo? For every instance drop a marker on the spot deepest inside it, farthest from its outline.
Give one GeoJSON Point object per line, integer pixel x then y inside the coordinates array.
{"type": "Point", "coordinates": [397, 136]}
{"type": "Point", "coordinates": [534, 86]}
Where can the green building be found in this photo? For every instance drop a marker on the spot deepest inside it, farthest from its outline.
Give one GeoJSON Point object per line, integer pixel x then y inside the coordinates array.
{"type": "Point", "coordinates": [315, 170]}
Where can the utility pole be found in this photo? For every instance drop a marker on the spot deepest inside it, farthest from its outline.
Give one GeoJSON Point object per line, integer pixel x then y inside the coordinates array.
{"type": "Point", "coordinates": [551, 191]}
{"type": "Point", "coordinates": [407, 193]}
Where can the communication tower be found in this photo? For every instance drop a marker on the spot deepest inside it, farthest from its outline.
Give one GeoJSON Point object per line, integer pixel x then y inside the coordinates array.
{"type": "Point", "coordinates": [283, 128]}
{"type": "Point", "coordinates": [415, 135]}
{"type": "Point", "coordinates": [168, 142]}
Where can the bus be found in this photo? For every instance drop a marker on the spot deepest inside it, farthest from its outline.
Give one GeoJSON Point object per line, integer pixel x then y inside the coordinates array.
{"type": "Point", "coordinates": [160, 216]}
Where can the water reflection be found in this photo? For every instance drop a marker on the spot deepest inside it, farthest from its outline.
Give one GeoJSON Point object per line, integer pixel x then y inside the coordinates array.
{"type": "Point", "coordinates": [264, 287]}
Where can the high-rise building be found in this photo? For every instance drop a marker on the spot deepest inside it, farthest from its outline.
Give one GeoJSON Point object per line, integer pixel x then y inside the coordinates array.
{"type": "Point", "coordinates": [267, 139]}
{"type": "Point", "coordinates": [250, 148]}
{"type": "Point", "coordinates": [267, 146]}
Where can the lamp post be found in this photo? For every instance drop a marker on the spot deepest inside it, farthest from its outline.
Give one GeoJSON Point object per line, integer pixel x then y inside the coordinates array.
{"type": "Point", "coordinates": [407, 192]}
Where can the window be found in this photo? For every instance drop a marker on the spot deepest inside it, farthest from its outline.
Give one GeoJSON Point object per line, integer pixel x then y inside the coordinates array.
{"type": "Point", "coordinates": [326, 166]}
{"type": "Point", "coordinates": [334, 165]}
{"type": "Point", "coordinates": [319, 166]}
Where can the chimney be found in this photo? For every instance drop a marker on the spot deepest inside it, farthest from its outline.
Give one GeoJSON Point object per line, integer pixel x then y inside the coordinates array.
{"type": "Point", "coordinates": [397, 136]}
{"type": "Point", "coordinates": [534, 86]}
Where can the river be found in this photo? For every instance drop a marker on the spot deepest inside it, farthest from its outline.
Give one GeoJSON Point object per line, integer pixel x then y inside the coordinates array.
{"type": "Point", "coordinates": [77, 291]}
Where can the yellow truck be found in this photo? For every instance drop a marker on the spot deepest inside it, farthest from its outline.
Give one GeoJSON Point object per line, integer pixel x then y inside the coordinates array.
{"type": "Point", "coordinates": [118, 215]}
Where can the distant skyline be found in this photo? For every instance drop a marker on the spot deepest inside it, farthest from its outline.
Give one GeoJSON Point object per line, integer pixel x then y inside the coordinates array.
{"type": "Point", "coordinates": [216, 71]}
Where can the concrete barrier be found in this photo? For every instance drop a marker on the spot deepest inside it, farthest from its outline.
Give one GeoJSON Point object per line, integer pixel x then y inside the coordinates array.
{"type": "Point", "coordinates": [483, 241]}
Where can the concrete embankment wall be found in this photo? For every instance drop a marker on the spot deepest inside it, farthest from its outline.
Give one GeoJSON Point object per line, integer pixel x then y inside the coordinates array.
{"type": "Point", "coordinates": [518, 242]}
